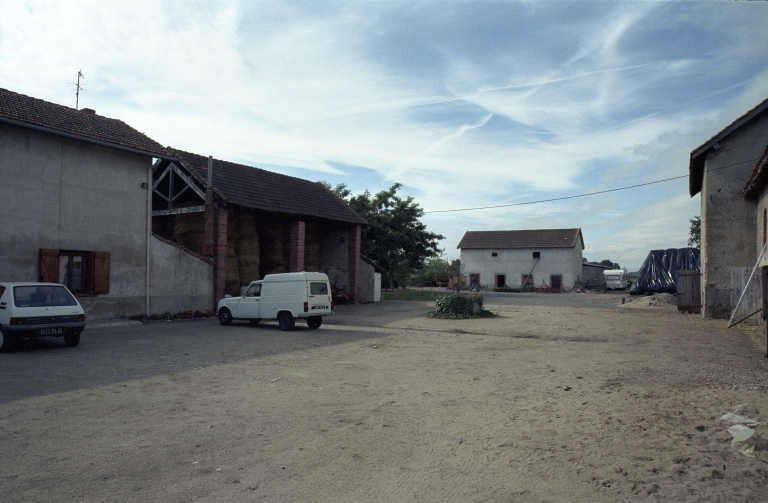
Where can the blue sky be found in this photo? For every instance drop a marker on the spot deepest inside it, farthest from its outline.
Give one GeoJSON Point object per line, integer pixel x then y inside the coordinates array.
{"type": "Point", "coordinates": [466, 104]}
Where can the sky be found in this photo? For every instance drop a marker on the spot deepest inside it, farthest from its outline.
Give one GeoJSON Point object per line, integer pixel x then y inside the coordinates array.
{"type": "Point", "coordinates": [466, 104]}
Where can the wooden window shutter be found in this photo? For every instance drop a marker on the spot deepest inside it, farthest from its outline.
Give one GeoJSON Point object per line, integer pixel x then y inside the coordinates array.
{"type": "Point", "coordinates": [100, 272]}
{"type": "Point", "coordinates": [48, 266]}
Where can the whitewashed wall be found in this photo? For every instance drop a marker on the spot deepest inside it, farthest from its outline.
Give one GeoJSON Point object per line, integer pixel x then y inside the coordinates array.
{"type": "Point", "coordinates": [516, 263]}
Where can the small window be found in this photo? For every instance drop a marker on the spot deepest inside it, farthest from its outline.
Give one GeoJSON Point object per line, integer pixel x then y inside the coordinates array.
{"type": "Point", "coordinates": [494, 254]}
{"type": "Point", "coordinates": [254, 291]}
{"type": "Point", "coordinates": [536, 254]}
{"type": "Point", "coordinates": [317, 288]}
{"type": "Point", "coordinates": [83, 272]}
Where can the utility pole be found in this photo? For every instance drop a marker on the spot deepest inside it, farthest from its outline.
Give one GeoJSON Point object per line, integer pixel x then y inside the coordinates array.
{"type": "Point", "coordinates": [77, 94]}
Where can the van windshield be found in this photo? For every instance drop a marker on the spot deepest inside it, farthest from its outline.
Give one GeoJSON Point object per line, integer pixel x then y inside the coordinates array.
{"type": "Point", "coordinates": [42, 296]}
{"type": "Point", "coordinates": [317, 288]}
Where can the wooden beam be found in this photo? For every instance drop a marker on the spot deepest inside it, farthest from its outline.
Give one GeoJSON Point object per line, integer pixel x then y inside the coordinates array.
{"type": "Point", "coordinates": [177, 211]}
{"type": "Point", "coordinates": [189, 181]}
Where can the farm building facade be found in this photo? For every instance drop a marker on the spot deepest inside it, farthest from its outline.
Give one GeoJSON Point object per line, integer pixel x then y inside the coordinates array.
{"type": "Point", "coordinates": [523, 259]}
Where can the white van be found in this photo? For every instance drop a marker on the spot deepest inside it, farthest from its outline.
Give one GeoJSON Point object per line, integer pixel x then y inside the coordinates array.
{"type": "Point", "coordinates": [615, 279]}
{"type": "Point", "coordinates": [281, 297]}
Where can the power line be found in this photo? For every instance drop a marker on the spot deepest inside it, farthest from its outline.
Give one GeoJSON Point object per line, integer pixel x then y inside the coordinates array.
{"type": "Point", "coordinates": [586, 194]}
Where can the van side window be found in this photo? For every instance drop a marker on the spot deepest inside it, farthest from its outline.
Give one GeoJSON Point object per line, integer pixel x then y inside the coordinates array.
{"type": "Point", "coordinates": [317, 288]}
{"type": "Point", "coordinates": [253, 291]}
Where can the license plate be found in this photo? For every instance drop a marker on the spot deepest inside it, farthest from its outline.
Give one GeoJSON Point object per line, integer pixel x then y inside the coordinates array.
{"type": "Point", "coordinates": [51, 331]}
{"type": "Point", "coordinates": [320, 307]}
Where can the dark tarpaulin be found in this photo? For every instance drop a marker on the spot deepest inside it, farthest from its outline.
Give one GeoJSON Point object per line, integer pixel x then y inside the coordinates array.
{"type": "Point", "coordinates": [659, 271]}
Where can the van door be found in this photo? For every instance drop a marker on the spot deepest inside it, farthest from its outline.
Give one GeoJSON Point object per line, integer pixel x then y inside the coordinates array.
{"type": "Point", "coordinates": [319, 298]}
{"type": "Point", "coordinates": [248, 307]}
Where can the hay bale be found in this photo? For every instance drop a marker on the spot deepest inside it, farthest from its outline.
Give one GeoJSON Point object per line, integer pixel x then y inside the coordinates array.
{"type": "Point", "coordinates": [189, 230]}
{"type": "Point", "coordinates": [312, 247]}
{"type": "Point", "coordinates": [247, 248]}
{"type": "Point", "coordinates": [272, 243]}
{"type": "Point", "coordinates": [232, 276]}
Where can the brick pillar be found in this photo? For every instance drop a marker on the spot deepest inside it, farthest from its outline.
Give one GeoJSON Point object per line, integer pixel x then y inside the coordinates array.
{"type": "Point", "coordinates": [219, 255]}
{"type": "Point", "coordinates": [298, 234]}
{"type": "Point", "coordinates": [354, 264]}
{"type": "Point", "coordinates": [208, 234]}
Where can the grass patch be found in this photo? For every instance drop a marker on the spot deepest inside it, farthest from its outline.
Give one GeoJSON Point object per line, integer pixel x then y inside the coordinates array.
{"type": "Point", "coordinates": [414, 295]}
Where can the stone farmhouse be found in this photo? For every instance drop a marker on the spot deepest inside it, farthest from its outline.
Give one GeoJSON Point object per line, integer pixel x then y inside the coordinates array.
{"type": "Point", "coordinates": [729, 172]}
{"type": "Point", "coordinates": [548, 259]}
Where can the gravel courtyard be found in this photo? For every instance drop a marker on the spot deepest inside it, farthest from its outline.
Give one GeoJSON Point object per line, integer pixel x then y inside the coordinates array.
{"type": "Point", "coordinates": [560, 398]}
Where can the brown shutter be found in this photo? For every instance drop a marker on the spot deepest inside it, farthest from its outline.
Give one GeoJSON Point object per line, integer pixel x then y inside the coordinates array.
{"type": "Point", "coordinates": [48, 268]}
{"type": "Point", "coordinates": [100, 272]}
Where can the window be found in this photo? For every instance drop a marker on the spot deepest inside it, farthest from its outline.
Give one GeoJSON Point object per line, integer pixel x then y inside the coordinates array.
{"type": "Point", "coordinates": [42, 296]}
{"type": "Point", "coordinates": [254, 291]}
{"type": "Point", "coordinates": [317, 288]}
{"type": "Point", "coordinates": [494, 254]}
{"type": "Point", "coordinates": [536, 254]}
{"type": "Point", "coordinates": [83, 272]}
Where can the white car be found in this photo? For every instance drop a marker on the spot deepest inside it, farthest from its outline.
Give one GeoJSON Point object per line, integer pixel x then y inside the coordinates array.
{"type": "Point", "coordinates": [281, 297]}
{"type": "Point", "coordinates": [38, 310]}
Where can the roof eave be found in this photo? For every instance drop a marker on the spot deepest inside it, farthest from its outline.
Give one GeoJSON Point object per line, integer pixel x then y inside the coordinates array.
{"type": "Point", "coordinates": [85, 139]}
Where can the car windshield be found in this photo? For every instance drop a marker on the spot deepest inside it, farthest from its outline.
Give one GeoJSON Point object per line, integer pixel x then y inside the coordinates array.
{"type": "Point", "coordinates": [42, 296]}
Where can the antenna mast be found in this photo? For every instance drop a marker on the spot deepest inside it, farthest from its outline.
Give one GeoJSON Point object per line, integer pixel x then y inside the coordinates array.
{"type": "Point", "coordinates": [77, 94]}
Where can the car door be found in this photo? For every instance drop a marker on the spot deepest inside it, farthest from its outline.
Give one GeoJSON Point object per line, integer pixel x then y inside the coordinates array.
{"type": "Point", "coordinates": [248, 307]}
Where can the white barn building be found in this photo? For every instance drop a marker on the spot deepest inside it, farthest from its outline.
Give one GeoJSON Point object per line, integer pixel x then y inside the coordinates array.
{"type": "Point", "coordinates": [526, 259]}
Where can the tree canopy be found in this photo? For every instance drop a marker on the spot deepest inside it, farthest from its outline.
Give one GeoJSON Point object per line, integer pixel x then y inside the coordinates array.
{"type": "Point", "coordinates": [394, 238]}
{"type": "Point", "coordinates": [694, 234]}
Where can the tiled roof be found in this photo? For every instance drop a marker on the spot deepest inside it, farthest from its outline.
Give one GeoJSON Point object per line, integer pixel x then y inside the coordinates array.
{"type": "Point", "coordinates": [21, 110]}
{"type": "Point", "coordinates": [259, 189]}
{"type": "Point", "coordinates": [696, 165]}
{"type": "Point", "coordinates": [759, 178]}
{"type": "Point", "coordinates": [542, 238]}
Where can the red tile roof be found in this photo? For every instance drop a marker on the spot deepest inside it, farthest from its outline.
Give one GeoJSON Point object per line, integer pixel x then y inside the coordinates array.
{"type": "Point", "coordinates": [259, 189]}
{"type": "Point", "coordinates": [85, 125]}
{"type": "Point", "coordinates": [542, 238]}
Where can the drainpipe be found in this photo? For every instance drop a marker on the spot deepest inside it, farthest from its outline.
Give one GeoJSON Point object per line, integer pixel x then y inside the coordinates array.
{"type": "Point", "coordinates": [149, 232]}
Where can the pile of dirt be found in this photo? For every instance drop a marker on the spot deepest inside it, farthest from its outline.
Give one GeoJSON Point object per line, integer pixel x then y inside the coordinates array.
{"type": "Point", "coordinates": [658, 300]}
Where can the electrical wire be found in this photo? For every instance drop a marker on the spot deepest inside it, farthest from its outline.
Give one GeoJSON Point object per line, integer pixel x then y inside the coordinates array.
{"type": "Point", "coordinates": [588, 193]}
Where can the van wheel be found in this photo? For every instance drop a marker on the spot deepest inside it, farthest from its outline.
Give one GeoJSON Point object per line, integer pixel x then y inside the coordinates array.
{"type": "Point", "coordinates": [314, 322]}
{"type": "Point", "coordinates": [286, 321]}
{"type": "Point", "coordinates": [72, 340]}
{"type": "Point", "coordinates": [225, 317]}
{"type": "Point", "coordinates": [8, 342]}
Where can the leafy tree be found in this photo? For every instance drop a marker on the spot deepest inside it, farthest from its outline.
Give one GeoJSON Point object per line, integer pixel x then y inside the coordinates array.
{"type": "Point", "coordinates": [394, 237]}
{"type": "Point", "coordinates": [434, 269]}
{"type": "Point", "coordinates": [612, 265]}
{"type": "Point", "coordinates": [694, 234]}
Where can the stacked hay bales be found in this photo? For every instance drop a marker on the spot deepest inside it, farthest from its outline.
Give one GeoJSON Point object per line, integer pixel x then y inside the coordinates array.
{"type": "Point", "coordinates": [232, 277]}
{"type": "Point", "coordinates": [312, 247]}
{"type": "Point", "coordinates": [189, 230]}
{"type": "Point", "coordinates": [273, 237]}
{"type": "Point", "coordinates": [247, 248]}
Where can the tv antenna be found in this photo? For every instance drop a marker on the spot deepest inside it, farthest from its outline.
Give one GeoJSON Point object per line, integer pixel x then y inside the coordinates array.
{"type": "Point", "coordinates": [77, 94]}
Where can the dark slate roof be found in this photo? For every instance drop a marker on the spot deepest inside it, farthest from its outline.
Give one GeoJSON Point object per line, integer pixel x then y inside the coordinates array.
{"type": "Point", "coordinates": [759, 178]}
{"type": "Point", "coordinates": [543, 238]}
{"type": "Point", "coordinates": [698, 156]}
{"type": "Point", "coordinates": [259, 189]}
{"type": "Point", "coordinates": [85, 125]}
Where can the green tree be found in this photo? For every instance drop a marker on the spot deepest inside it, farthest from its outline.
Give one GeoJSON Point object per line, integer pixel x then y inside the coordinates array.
{"type": "Point", "coordinates": [394, 238]}
{"type": "Point", "coordinates": [434, 269]}
{"type": "Point", "coordinates": [612, 265]}
{"type": "Point", "coordinates": [694, 234]}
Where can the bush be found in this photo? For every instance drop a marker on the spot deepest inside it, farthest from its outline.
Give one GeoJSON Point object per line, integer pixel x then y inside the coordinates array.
{"type": "Point", "coordinates": [457, 306]}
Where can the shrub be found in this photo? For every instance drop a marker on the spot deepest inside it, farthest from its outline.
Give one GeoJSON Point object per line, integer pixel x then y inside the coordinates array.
{"type": "Point", "coordinates": [457, 306]}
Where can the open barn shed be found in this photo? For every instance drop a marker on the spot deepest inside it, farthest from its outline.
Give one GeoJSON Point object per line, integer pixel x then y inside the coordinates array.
{"type": "Point", "coordinates": [252, 222]}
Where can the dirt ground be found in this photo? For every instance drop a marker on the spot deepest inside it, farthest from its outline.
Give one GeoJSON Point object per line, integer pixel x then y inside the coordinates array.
{"type": "Point", "coordinates": [560, 398]}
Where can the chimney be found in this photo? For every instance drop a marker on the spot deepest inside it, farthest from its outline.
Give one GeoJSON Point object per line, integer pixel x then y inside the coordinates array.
{"type": "Point", "coordinates": [88, 111]}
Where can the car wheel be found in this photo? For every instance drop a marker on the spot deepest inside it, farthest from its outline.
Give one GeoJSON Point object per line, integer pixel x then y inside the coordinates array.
{"type": "Point", "coordinates": [314, 322]}
{"type": "Point", "coordinates": [225, 317]}
{"type": "Point", "coordinates": [286, 321]}
{"type": "Point", "coordinates": [8, 342]}
{"type": "Point", "coordinates": [72, 340]}
{"type": "Point", "coordinates": [255, 321]}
